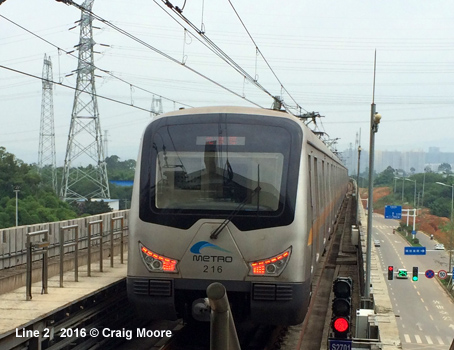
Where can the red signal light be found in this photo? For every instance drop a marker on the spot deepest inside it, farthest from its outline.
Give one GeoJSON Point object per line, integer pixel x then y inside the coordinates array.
{"type": "Point", "coordinates": [341, 325]}
{"type": "Point", "coordinates": [390, 273]}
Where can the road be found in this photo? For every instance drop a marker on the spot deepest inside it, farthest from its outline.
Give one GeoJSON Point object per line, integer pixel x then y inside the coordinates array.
{"type": "Point", "coordinates": [424, 311]}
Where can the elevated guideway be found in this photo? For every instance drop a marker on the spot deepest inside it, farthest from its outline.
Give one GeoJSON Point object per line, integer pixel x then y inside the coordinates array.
{"type": "Point", "coordinates": [51, 271]}
{"type": "Point", "coordinates": [22, 318]}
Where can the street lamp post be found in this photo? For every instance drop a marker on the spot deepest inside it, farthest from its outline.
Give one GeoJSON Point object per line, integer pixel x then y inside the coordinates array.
{"type": "Point", "coordinates": [403, 186]}
{"type": "Point", "coordinates": [452, 223]}
{"type": "Point", "coordinates": [414, 200]}
{"type": "Point", "coordinates": [423, 184]}
{"type": "Point", "coordinates": [395, 181]}
{"type": "Point", "coordinates": [17, 190]}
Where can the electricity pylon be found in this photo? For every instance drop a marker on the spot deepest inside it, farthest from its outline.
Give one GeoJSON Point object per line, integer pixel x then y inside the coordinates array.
{"type": "Point", "coordinates": [46, 149]}
{"type": "Point", "coordinates": [88, 178]}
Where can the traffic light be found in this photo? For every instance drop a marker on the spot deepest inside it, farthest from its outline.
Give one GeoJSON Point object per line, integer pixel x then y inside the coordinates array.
{"type": "Point", "coordinates": [390, 273]}
{"type": "Point", "coordinates": [341, 307]}
{"type": "Point", "coordinates": [415, 274]}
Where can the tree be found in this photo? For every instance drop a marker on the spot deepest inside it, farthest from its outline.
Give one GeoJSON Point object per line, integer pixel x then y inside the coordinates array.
{"type": "Point", "coordinates": [385, 178]}
{"type": "Point", "coordinates": [36, 203]}
{"type": "Point", "coordinates": [89, 207]}
{"type": "Point", "coordinates": [444, 168]}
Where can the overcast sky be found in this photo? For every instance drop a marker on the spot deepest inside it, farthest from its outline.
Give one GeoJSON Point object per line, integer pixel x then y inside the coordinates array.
{"type": "Point", "coordinates": [321, 51]}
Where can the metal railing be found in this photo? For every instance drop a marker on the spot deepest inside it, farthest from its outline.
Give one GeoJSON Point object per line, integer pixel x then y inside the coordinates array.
{"type": "Point", "coordinates": [32, 249]}
{"type": "Point", "coordinates": [64, 245]}
{"type": "Point", "coordinates": [113, 221]}
{"type": "Point", "coordinates": [13, 250]}
{"type": "Point", "coordinates": [94, 238]}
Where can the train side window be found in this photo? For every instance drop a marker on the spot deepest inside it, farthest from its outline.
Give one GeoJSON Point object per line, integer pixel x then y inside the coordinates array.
{"type": "Point", "coordinates": [316, 189]}
{"type": "Point", "coordinates": [311, 182]}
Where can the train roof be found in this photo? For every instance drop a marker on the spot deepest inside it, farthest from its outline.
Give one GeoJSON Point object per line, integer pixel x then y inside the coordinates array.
{"type": "Point", "coordinates": [311, 137]}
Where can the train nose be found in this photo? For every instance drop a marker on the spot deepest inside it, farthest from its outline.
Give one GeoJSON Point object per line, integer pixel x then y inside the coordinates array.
{"type": "Point", "coordinates": [208, 258]}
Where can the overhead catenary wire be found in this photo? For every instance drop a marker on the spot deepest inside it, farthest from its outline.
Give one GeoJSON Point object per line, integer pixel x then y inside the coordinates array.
{"type": "Point", "coordinates": [213, 47]}
{"type": "Point", "coordinates": [264, 58]}
{"type": "Point", "coordinates": [160, 52]}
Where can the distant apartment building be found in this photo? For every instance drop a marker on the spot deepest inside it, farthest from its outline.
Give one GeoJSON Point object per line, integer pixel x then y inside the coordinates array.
{"type": "Point", "coordinates": [408, 160]}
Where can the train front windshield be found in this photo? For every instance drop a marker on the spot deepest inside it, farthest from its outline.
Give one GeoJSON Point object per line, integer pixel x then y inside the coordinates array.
{"type": "Point", "coordinates": [210, 170]}
{"type": "Point", "coordinates": [217, 167]}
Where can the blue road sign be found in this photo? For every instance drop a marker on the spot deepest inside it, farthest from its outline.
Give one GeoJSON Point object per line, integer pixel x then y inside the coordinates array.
{"type": "Point", "coordinates": [393, 212]}
{"type": "Point", "coordinates": [430, 273]}
{"type": "Point", "coordinates": [415, 251]}
{"type": "Point", "coordinates": [337, 344]}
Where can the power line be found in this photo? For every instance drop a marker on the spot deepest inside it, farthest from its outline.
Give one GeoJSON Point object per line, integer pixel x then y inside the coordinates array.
{"type": "Point", "coordinates": [73, 88]}
{"type": "Point", "coordinates": [91, 64]}
{"type": "Point", "coordinates": [140, 41]}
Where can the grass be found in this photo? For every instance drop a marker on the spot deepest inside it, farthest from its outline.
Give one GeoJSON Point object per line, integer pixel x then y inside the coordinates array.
{"type": "Point", "coordinates": [409, 238]}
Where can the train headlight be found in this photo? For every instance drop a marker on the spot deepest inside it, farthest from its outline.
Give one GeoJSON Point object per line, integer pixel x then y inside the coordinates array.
{"type": "Point", "coordinates": [272, 266]}
{"type": "Point", "coordinates": [156, 262]}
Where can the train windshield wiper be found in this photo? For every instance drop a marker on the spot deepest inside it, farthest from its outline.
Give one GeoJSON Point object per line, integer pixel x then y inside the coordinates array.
{"type": "Point", "coordinates": [215, 233]}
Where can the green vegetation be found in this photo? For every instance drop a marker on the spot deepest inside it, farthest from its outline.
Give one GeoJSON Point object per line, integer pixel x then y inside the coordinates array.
{"type": "Point", "coordinates": [403, 191]}
{"type": "Point", "coordinates": [405, 231]}
{"type": "Point", "coordinates": [37, 201]}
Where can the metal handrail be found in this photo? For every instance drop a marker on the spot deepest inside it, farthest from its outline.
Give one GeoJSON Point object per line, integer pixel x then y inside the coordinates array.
{"type": "Point", "coordinates": [90, 239]}
{"type": "Point", "coordinates": [41, 248]}
{"type": "Point", "coordinates": [222, 328]}
{"type": "Point", "coordinates": [112, 224]}
{"type": "Point", "coordinates": [63, 245]}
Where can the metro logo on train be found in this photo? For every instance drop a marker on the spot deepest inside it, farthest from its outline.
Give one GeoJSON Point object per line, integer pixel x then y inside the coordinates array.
{"type": "Point", "coordinates": [195, 249]}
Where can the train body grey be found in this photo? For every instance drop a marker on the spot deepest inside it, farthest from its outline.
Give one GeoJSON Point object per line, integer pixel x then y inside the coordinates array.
{"type": "Point", "coordinates": [242, 196]}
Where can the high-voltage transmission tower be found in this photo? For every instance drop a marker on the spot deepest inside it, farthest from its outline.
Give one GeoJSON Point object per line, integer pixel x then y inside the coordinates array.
{"type": "Point", "coordinates": [85, 174]}
{"type": "Point", "coordinates": [46, 149]}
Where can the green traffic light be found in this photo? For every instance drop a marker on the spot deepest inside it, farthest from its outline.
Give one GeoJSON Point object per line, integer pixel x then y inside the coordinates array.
{"type": "Point", "coordinates": [415, 273]}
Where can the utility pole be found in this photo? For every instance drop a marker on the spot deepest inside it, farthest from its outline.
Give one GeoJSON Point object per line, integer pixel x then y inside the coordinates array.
{"type": "Point", "coordinates": [46, 149]}
{"type": "Point", "coordinates": [85, 143]}
{"type": "Point", "coordinates": [374, 121]}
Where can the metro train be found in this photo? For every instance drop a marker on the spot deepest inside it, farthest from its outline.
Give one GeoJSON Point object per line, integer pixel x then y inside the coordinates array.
{"type": "Point", "coordinates": [242, 196]}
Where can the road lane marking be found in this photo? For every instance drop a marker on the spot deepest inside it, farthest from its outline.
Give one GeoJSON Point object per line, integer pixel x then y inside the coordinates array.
{"type": "Point", "coordinates": [418, 339]}
{"type": "Point", "coordinates": [407, 338]}
{"type": "Point", "coordinates": [440, 341]}
{"type": "Point", "coordinates": [429, 341]}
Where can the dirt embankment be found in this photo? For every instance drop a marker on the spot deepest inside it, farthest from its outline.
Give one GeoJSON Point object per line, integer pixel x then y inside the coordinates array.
{"type": "Point", "coordinates": [425, 221]}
